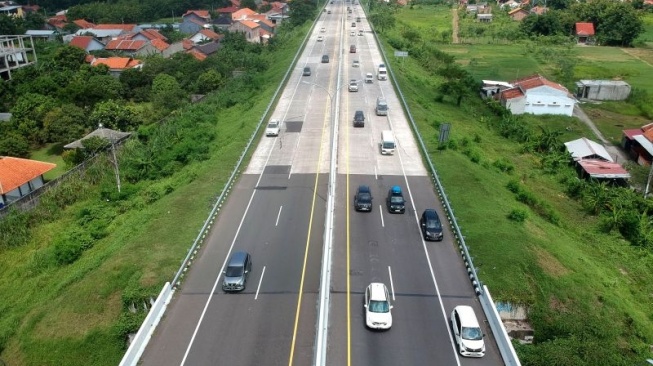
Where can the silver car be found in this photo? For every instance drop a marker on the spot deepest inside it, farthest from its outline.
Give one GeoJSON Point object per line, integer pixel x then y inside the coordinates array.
{"type": "Point", "coordinates": [238, 268]}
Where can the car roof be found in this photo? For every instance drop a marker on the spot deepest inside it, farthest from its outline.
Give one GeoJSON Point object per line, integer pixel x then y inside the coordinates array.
{"type": "Point", "coordinates": [431, 213]}
{"type": "Point", "coordinates": [364, 188]}
{"type": "Point", "coordinates": [377, 291]}
{"type": "Point", "coordinates": [396, 190]}
{"type": "Point", "coordinates": [467, 316]}
{"type": "Point", "coordinates": [238, 258]}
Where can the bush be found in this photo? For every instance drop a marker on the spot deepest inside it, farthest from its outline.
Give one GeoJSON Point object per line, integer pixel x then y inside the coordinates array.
{"type": "Point", "coordinates": [518, 215]}
{"type": "Point", "coordinates": [15, 229]}
{"type": "Point", "coordinates": [504, 165]}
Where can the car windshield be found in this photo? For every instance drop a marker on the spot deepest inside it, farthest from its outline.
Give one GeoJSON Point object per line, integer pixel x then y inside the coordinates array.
{"type": "Point", "coordinates": [433, 224]}
{"type": "Point", "coordinates": [234, 271]}
{"type": "Point", "coordinates": [472, 334]}
{"type": "Point", "coordinates": [396, 199]}
{"type": "Point", "coordinates": [272, 125]}
{"type": "Point", "coordinates": [382, 107]}
{"type": "Point", "coordinates": [379, 306]}
{"type": "Point", "coordinates": [388, 145]}
{"type": "Point", "coordinates": [364, 197]}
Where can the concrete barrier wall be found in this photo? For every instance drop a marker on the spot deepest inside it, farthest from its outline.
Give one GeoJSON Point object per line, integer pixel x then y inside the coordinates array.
{"type": "Point", "coordinates": [141, 339]}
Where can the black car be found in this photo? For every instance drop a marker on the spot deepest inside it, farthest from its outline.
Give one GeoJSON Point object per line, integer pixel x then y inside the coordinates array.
{"type": "Point", "coordinates": [431, 225]}
{"type": "Point", "coordinates": [325, 59]}
{"type": "Point", "coordinates": [363, 199]}
{"type": "Point", "coordinates": [395, 200]}
{"type": "Point", "coordinates": [359, 119]}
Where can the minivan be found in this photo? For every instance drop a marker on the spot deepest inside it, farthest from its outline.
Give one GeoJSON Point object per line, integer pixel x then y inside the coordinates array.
{"type": "Point", "coordinates": [382, 73]}
{"type": "Point", "coordinates": [387, 143]}
{"type": "Point", "coordinates": [466, 332]}
{"type": "Point", "coordinates": [238, 268]}
{"type": "Point", "coordinates": [431, 225]}
{"type": "Point", "coordinates": [381, 107]}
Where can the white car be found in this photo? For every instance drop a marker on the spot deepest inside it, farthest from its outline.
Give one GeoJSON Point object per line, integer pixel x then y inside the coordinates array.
{"type": "Point", "coordinates": [355, 63]}
{"type": "Point", "coordinates": [353, 85]}
{"type": "Point", "coordinates": [273, 128]}
{"type": "Point", "coordinates": [323, 30]}
{"type": "Point", "coordinates": [352, 33]}
{"type": "Point", "coordinates": [369, 78]}
{"type": "Point", "coordinates": [377, 306]}
{"type": "Point", "coordinates": [466, 332]}
{"type": "Point", "coordinates": [320, 38]}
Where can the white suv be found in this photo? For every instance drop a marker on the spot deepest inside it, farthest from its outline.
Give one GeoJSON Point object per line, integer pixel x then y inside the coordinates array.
{"type": "Point", "coordinates": [273, 128]}
{"type": "Point", "coordinates": [466, 332]}
{"type": "Point", "coordinates": [377, 306]}
{"type": "Point", "coordinates": [353, 85]}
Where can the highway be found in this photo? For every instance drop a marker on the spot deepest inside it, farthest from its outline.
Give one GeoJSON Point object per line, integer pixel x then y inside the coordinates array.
{"type": "Point", "coordinates": [277, 213]}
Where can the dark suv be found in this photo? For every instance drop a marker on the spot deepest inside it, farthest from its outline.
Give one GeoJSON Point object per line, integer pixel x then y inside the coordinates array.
{"type": "Point", "coordinates": [363, 199]}
{"type": "Point", "coordinates": [431, 225]}
{"type": "Point", "coordinates": [359, 119]}
{"type": "Point", "coordinates": [238, 268]}
{"type": "Point", "coordinates": [395, 200]}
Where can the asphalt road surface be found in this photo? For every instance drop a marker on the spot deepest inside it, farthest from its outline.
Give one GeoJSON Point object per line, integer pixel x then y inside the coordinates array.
{"type": "Point", "coordinates": [277, 214]}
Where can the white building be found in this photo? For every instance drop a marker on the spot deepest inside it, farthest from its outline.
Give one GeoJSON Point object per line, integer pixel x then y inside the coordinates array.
{"type": "Point", "coordinates": [537, 95]}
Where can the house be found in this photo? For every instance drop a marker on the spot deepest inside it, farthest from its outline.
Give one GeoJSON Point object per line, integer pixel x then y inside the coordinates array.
{"type": "Point", "coordinates": [512, 4]}
{"type": "Point", "coordinates": [242, 14]}
{"type": "Point", "coordinates": [602, 89]}
{"type": "Point", "coordinates": [87, 43]}
{"type": "Point", "coordinates": [536, 95]}
{"type": "Point", "coordinates": [117, 64]}
{"type": "Point", "coordinates": [518, 14]}
{"type": "Point", "coordinates": [222, 22]}
{"type": "Point", "coordinates": [19, 177]}
{"type": "Point", "coordinates": [14, 11]}
{"type": "Point", "coordinates": [47, 35]}
{"type": "Point", "coordinates": [83, 24]}
{"type": "Point", "coordinates": [146, 35]}
{"type": "Point", "coordinates": [194, 20]}
{"type": "Point", "coordinates": [201, 51]}
{"type": "Point", "coordinates": [250, 28]}
{"type": "Point", "coordinates": [131, 48]}
{"type": "Point", "coordinates": [126, 28]}
{"type": "Point", "coordinates": [484, 18]}
{"type": "Point", "coordinates": [103, 35]}
{"type": "Point", "coordinates": [57, 22]}
{"type": "Point", "coordinates": [592, 160]}
{"type": "Point", "coordinates": [205, 35]}
{"type": "Point", "coordinates": [637, 143]}
{"type": "Point", "coordinates": [227, 11]}
{"type": "Point", "coordinates": [585, 33]}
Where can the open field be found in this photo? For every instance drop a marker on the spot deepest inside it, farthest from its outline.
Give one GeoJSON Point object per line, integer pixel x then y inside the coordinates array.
{"type": "Point", "coordinates": [75, 314]}
{"type": "Point", "coordinates": [427, 20]}
{"type": "Point", "coordinates": [51, 154]}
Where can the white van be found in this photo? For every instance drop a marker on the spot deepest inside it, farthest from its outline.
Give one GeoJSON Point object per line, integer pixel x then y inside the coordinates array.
{"type": "Point", "coordinates": [381, 107]}
{"type": "Point", "coordinates": [382, 73]}
{"type": "Point", "coordinates": [466, 332]}
{"type": "Point", "coordinates": [387, 143]}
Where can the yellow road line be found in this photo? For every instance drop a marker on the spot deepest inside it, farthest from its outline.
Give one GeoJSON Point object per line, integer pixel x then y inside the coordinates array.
{"type": "Point", "coordinates": [347, 226]}
{"type": "Point", "coordinates": [308, 236]}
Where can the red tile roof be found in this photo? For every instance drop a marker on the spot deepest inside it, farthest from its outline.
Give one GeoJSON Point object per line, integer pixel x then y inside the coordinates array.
{"type": "Point", "coordinates": [81, 41]}
{"type": "Point", "coordinates": [242, 14]}
{"type": "Point", "coordinates": [83, 24]}
{"type": "Point", "coordinates": [58, 21]}
{"type": "Point", "coordinates": [534, 81]}
{"type": "Point", "coordinates": [584, 29]}
{"type": "Point", "coordinates": [632, 133]}
{"type": "Point", "coordinates": [511, 93]}
{"type": "Point", "coordinates": [197, 54]}
{"type": "Point", "coordinates": [603, 169]}
{"type": "Point", "coordinates": [124, 45]}
{"type": "Point", "coordinates": [187, 44]}
{"type": "Point", "coordinates": [117, 63]}
{"type": "Point", "coordinates": [249, 24]}
{"type": "Point", "coordinates": [159, 44]}
{"type": "Point", "coordinates": [210, 34]}
{"type": "Point", "coordinates": [228, 10]}
{"type": "Point", "coordinates": [200, 13]}
{"type": "Point", "coordinates": [16, 172]}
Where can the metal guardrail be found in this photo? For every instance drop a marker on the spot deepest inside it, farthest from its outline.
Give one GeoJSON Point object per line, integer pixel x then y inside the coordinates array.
{"type": "Point", "coordinates": [501, 336]}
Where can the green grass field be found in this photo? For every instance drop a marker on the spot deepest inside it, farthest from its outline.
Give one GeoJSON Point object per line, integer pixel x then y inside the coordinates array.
{"type": "Point", "coordinates": [51, 154]}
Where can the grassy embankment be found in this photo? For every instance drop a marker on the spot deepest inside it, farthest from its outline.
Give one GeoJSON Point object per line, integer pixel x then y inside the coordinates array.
{"type": "Point", "coordinates": [73, 314]}
{"type": "Point", "coordinates": [578, 281]}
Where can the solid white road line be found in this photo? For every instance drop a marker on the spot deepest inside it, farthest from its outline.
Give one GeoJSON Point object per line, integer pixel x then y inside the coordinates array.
{"type": "Point", "coordinates": [392, 285]}
{"type": "Point", "coordinates": [259, 283]}
{"type": "Point", "coordinates": [278, 215]}
{"type": "Point", "coordinates": [375, 175]}
{"type": "Point", "coordinates": [381, 213]}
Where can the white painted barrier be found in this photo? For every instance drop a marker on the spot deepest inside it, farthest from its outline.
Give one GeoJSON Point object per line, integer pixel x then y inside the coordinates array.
{"type": "Point", "coordinates": [141, 339]}
{"type": "Point", "coordinates": [500, 335]}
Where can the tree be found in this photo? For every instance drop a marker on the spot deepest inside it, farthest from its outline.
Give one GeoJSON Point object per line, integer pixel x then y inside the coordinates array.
{"type": "Point", "coordinates": [209, 81]}
{"type": "Point", "coordinates": [383, 19]}
{"type": "Point", "coordinates": [87, 89]}
{"type": "Point", "coordinates": [615, 23]}
{"type": "Point", "coordinates": [64, 124]}
{"type": "Point", "coordinates": [547, 24]}
{"type": "Point", "coordinates": [167, 95]}
{"type": "Point", "coordinates": [114, 115]}
{"type": "Point", "coordinates": [69, 58]}
{"type": "Point", "coordinates": [458, 84]}
{"type": "Point", "coordinates": [14, 145]}
{"type": "Point", "coordinates": [251, 4]}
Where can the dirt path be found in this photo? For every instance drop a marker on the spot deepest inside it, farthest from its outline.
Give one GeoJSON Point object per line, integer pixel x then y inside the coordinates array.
{"type": "Point", "coordinates": [628, 52]}
{"type": "Point", "coordinates": [454, 21]}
